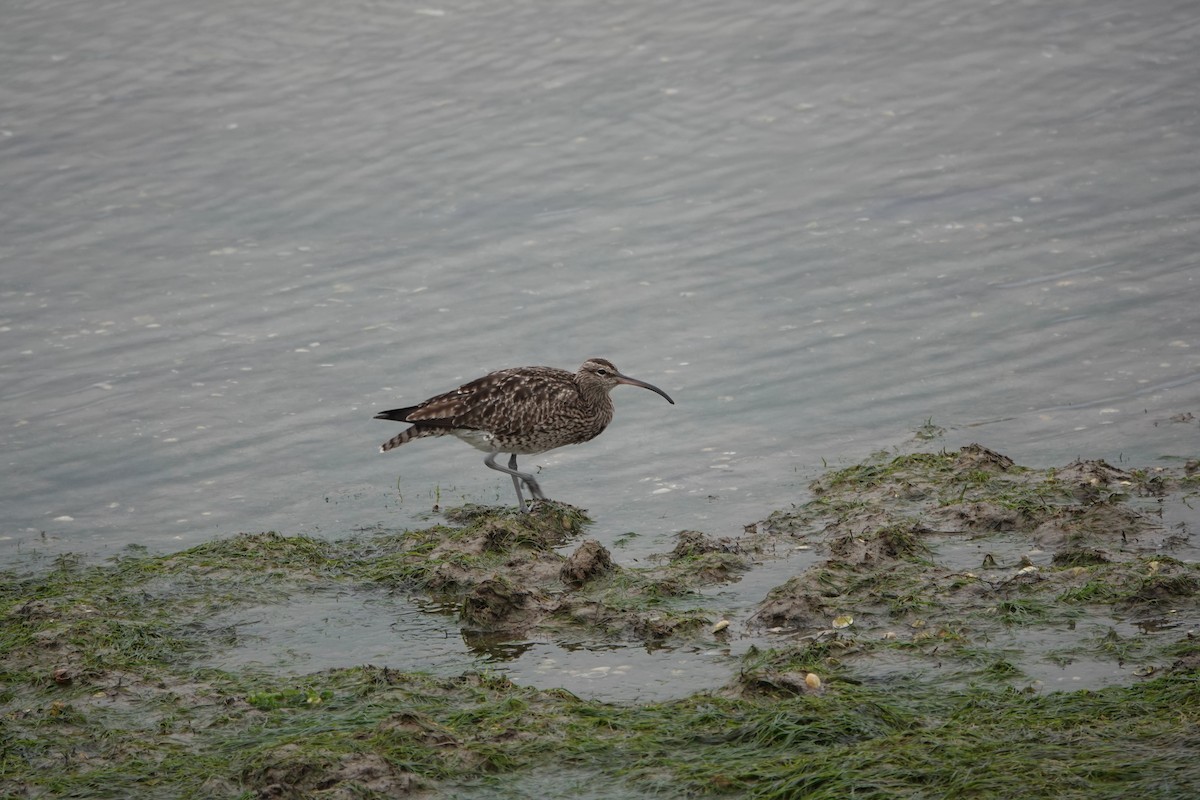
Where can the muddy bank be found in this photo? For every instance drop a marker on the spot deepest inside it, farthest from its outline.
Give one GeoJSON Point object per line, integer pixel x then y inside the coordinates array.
{"type": "Point", "coordinates": [945, 595]}
{"type": "Point", "coordinates": [964, 565]}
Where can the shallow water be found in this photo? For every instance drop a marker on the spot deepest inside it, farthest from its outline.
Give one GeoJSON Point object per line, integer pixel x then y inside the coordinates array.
{"type": "Point", "coordinates": [230, 233]}
{"type": "Point", "coordinates": [327, 631]}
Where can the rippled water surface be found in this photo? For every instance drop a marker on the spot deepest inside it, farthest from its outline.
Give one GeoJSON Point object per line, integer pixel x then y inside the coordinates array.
{"type": "Point", "coordinates": [231, 232]}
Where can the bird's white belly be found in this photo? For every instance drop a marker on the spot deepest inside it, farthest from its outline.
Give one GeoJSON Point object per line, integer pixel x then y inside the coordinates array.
{"type": "Point", "coordinates": [489, 442]}
{"type": "Point", "coordinates": [482, 440]}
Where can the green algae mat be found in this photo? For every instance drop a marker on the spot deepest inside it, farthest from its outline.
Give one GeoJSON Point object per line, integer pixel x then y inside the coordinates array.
{"type": "Point", "coordinates": [911, 655]}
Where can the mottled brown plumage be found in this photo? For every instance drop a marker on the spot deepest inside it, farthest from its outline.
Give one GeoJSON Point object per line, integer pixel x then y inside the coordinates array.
{"type": "Point", "coordinates": [519, 411]}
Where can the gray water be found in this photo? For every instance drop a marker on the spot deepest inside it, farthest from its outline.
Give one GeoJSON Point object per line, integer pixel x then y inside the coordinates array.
{"type": "Point", "coordinates": [230, 232]}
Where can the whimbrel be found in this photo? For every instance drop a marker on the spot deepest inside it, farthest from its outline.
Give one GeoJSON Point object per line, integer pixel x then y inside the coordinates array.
{"type": "Point", "coordinates": [523, 411]}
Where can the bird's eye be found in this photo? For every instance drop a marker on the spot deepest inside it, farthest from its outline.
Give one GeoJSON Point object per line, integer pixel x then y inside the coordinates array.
{"type": "Point", "coordinates": [602, 371]}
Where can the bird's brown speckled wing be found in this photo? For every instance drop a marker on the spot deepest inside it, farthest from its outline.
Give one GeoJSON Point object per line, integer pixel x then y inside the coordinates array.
{"type": "Point", "coordinates": [504, 402]}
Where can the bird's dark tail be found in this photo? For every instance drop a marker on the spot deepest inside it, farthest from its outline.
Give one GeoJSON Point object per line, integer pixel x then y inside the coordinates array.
{"type": "Point", "coordinates": [396, 414]}
{"type": "Point", "coordinates": [415, 432]}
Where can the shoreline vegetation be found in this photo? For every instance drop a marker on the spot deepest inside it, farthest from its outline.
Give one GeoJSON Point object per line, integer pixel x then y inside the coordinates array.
{"type": "Point", "coordinates": [900, 662]}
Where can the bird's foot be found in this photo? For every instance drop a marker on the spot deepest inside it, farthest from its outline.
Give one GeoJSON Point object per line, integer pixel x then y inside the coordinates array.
{"type": "Point", "coordinates": [534, 489]}
{"type": "Point", "coordinates": [534, 504]}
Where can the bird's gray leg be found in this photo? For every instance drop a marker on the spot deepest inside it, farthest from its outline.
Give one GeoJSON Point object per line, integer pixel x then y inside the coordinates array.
{"type": "Point", "coordinates": [534, 489]}
{"type": "Point", "coordinates": [518, 478]}
{"type": "Point", "coordinates": [512, 464]}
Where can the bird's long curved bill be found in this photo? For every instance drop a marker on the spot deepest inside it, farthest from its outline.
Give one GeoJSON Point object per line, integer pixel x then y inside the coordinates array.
{"type": "Point", "coordinates": [635, 382]}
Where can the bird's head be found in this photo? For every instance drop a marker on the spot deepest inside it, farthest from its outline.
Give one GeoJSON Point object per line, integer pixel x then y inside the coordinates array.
{"type": "Point", "coordinates": [601, 372]}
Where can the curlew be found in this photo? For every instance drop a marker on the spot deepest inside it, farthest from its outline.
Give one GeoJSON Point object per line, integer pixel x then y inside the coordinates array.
{"type": "Point", "coordinates": [519, 411]}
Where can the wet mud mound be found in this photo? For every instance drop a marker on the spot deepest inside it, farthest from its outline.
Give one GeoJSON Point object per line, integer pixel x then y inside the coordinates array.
{"type": "Point", "coordinates": [510, 574]}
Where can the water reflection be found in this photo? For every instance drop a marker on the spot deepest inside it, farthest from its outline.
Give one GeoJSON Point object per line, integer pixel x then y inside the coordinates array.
{"type": "Point", "coordinates": [494, 646]}
{"type": "Point", "coordinates": [1157, 625]}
